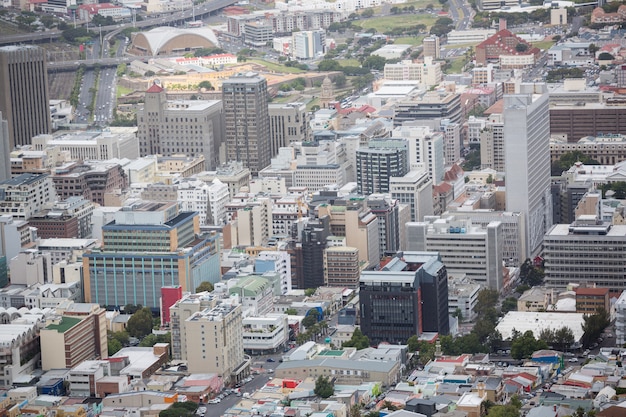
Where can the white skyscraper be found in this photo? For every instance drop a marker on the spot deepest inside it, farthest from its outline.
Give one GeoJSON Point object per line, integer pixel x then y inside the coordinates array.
{"type": "Point", "coordinates": [527, 160]}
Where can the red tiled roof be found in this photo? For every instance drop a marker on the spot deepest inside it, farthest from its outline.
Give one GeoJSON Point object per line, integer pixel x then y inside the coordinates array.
{"type": "Point", "coordinates": [154, 89]}
{"type": "Point", "coordinates": [591, 291]}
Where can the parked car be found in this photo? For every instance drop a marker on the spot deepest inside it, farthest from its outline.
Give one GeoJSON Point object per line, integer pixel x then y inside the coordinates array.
{"type": "Point", "coordinates": [271, 360]}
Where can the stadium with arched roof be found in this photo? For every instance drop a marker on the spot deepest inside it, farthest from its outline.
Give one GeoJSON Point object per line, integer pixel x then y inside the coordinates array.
{"type": "Point", "coordinates": [167, 40]}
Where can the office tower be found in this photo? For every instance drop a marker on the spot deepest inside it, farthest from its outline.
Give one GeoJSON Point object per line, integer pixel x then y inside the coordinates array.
{"type": "Point", "coordinates": [247, 120]}
{"type": "Point", "coordinates": [407, 296]}
{"type": "Point", "coordinates": [465, 248]}
{"type": "Point", "coordinates": [24, 96]}
{"type": "Point", "coordinates": [148, 246]}
{"type": "Point", "coordinates": [313, 239]}
{"type": "Point", "coordinates": [308, 44]}
{"type": "Point", "coordinates": [5, 150]}
{"type": "Point", "coordinates": [527, 160]}
{"type": "Point", "coordinates": [341, 267]}
{"type": "Point", "coordinates": [391, 218]}
{"type": "Point", "coordinates": [432, 46]}
{"type": "Point", "coordinates": [191, 127]}
{"type": "Point", "coordinates": [288, 123]}
{"type": "Point", "coordinates": [416, 190]}
{"type": "Point", "coordinates": [381, 160]}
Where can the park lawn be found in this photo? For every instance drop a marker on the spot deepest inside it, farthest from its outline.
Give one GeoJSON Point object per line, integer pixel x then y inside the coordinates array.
{"type": "Point", "coordinates": [545, 45]}
{"type": "Point", "coordinates": [286, 99]}
{"type": "Point", "coordinates": [276, 67]}
{"type": "Point", "coordinates": [349, 62]}
{"type": "Point", "coordinates": [386, 23]}
{"type": "Point", "coordinates": [456, 65]}
{"type": "Point", "coordinates": [122, 91]}
{"type": "Point", "coordinates": [314, 102]}
{"type": "Point", "coordinates": [409, 40]}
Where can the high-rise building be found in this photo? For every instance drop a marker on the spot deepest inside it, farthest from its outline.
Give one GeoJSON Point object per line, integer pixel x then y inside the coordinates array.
{"type": "Point", "coordinates": [527, 160]}
{"type": "Point", "coordinates": [308, 44]}
{"type": "Point", "coordinates": [341, 267]}
{"type": "Point", "coordinates": [313, 239]}
{"type": "Point", "coordinates": [191, 127]}
{"type": "Point", "coordinates": [416, 190]}
{"type": "Point", "coordinates": [432, 46]}
{"type": "Point", "coordinates": [381, 160]}
{"type": "Point", "coordinates": [24, 100]}
{"type": "Point", "coordinates": [25, 195]}
{"type": "Point", "coordinates": [247, 120]}
{"type": "Point", "coordinates": [5, 150]}
{"type": "Point", "coordinates": [391, 218]}
{"type": "Point", "coordinates": [288, 123]}
{"type": "Point", "coordinates": [148, 246]}
{"type": "Point", "coordinates": [407, 296]}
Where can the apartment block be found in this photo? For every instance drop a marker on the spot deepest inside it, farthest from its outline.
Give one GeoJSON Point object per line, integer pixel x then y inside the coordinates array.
{"type": "Point", "coordinates": [589, 300]}
{"type": "Point", "coordinates": [275, 261]}
{"type": "Point", "coordinates": [415, 189]}
{"type": "Point", "coordinates": [342, 267]}
{"type": "Point", "coordinates": [288, 123]}
{"type": "Point", "coordinates": [427, 73]}
{"type": "Point", "coordinates": [391, 215]}
{"type": "Point", "coordinates": [492, 144]}
{"type": "Point", "coordinates": [26, 194]}
{"type": "Point", "coordinates": [308, 44]}
{"type": "Point", "coordinates": [381, 160]}
{"type": "Point", "coordinates": [77, 333]}
{"type": "Point", "coordinates": [20, 349]}
{"type": "Point", "coordinates": [233, 174]}
{"type": "Point", "coordinates": [431, 105]}
{"type": "Point", "coordinates": [66, 219]}
{"type": "Point", "coordinates": [431, 46]}
{"type": "Point", "coordinates": [589, 252]}
{"type": "Point", "coordinates": [214, 340]}
{"type": "Point", "coordinates": [265, 335]}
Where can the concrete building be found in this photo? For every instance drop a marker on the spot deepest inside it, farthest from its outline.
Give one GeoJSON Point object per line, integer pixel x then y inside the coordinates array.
{"type": "Point", "coordinates": [431, 47]}
{"type": "Point", "coordinates": [431, 105]}
{"type": "Point", "coordinates": [589, 300]}
{"type": "Point", "coordinates": [427, 73]}
{"type": "Point", "coordinates": [20, 344]}
{"type": "Point", "coordinates": [191, 127]}
{"type": "Point", "coordinates": [588, 252]}
{"type": "Point", "coordinates": [575, 121]}
{"type": "Point", "coordinates": [233, 174]}
{"type": "Point", "coordinates": [607, 149]}
{"type": "Point", "coordinates": [91, 180]}
{"type": "Point", "coordinates": [341, 267]}
{"type": "Point", "coordinates": [463, 297]}
{"type": "Point", "coordinates": [5, 150]}
{"type": "Point", "coordinates": [492, 144]}
{"type": "Point", "coordinates": [288, 123]}
{"type": "Point", "coordinates": [92, 145]}
{"type": "Point", "coordinates": [276, 261]}
{"type": "Point", "coordinates": [620, 319]}
{"type": "Point", "coordinates": [527, 160]}
{"type": "Point", "coordinates": [426, 148]}
{"type": "Point", "coordinates": [381, 160]}
{"type": "Point", "coordinates": [66, 219]}
{"type": "Point", "coordinates": [309, 44]}
{"type": "Point", "coordinates": [220, 326]}
{"type": "Point", "coordinates": [255, 294]}
{"type": "Point", "coordinates": [407, 296]}
{"type": "Point", "coordinates": [265, 335]}
{"type": "Point", "coordinates": [391, 216]}
{"type": "Point", "coordinates": [23, 196]}
{"type": "Point", "coordinates": [464, 248]}
{"type": "Point", "coordinates": [415, 189]}
{"type": "Point", "coordinates": [84, 375]}
{"type": "Point", "coordinates": [247, 121]}
{"type": "Point", "coordinates": [165, 238]}
{"type": "Point", "coordinates": [24, 103]}
{"type": "Point", "coordinates": [77, 333]}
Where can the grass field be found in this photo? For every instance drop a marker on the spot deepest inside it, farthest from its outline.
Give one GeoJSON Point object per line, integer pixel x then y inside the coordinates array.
{"type": "Point", "coordinates": [7, 29]}
{"type": "Point", "coordinates": [387, 23]}
{"type": "Point", "coordinates": [272, 66]}
{"type": "Point", "coordinates": [351, 62]}
{"type": "Point", "coordinates": [456, 65]}
{"type": "Point", "coordinates": [122, 91]}
{"type": "Point", "coordinates": [410, 40]}
{"type": "Point", "coordinates": [545, 45]}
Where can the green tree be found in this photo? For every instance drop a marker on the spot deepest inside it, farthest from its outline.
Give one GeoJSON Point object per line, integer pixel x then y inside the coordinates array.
{"type": "Point", "coordinates": [329, 65]}
{"type": "Point", "coordinates": [568, 159]}
{"type": "Point", "coordinates": [291, 312]}
{"type": "Point", "coordinates": [324, 387]}
{"type": "Point", "coordinates": [132, 308]}
{"type": "Point", "coordinates": [510, 304]}
{"type": "Point", "coordinates": [113, 346]}
{"type": "Point", "coordinates": [521, 47]}
{"type": "Point", "coordinates": [206, 85]}
{"type": "Point", "coordinates": [530, 274]}
{"type": "Point", "coordinates": [312, 317]}
{"type": "Point", "coordinates": [309, 292]}
{"type": "Point", "coordinates": [121, 337]}
{"type": "Point", "coordinates": [152, 339]}
{"type": "Point", "coordinates": [374, 62]}
{"type": "Point", "coordinates": [340, 80]}
{"type": "Point", "coordinates": [204, 286]}
{"type": "Point", "coordinates": [507, 410]}
{"type": "Point", "coordinates": [525, 345]}
{"type": "Point", "coordinates": [140, 323]}
{"type": "Point", "coordinates": [594, 325]}
{"type": "Point", "coordinates": [358, 340]}
{"type": "Point", "coordinates": [367, 13]}
{"type": "Point", "coordinates": [182, 409]}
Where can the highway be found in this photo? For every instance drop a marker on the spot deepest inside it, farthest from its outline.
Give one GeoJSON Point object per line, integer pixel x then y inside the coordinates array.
{"type": "Point", "coordinates": [198, 11]}
{"type": "Point", "coordinates": [461, 13]}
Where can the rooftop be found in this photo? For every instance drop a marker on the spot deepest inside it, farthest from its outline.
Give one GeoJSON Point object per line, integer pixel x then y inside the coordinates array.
{"type": "Point", "coordinates": [64, 324]}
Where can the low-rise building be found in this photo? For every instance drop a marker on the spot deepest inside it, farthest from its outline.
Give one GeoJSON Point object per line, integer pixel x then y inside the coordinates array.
{"type": "Point", "coordinates": [265, 335]}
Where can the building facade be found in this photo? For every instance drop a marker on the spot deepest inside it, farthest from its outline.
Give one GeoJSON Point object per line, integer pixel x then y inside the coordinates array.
{"type": "Point", "coordinates": [25, 99]}
{"type": "Point", "coordinates": [247, 121]}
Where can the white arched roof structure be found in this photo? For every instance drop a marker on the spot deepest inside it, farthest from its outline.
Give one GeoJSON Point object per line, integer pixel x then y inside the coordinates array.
{"type": "Point", "coordinates": [158, 38]}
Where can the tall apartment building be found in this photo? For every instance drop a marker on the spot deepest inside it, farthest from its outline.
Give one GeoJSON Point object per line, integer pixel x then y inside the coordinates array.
{"type": "Point", "coordinates": [342, 267]}
{"type": "Point", "coordinates": [452, 140]}
{"type": "Point", "coordinates": [148, 246]}
{"type": "Point", "coordinates": [77, 333]}
{"type": "Point", "coordinates": [381, 160]}
{"type": "Point", "coordinates": [214, 340]}
{"type": "Point", "coordinates": [276, 261]}
{"type": "Point", "coordinates": [308, 44]}
{"type": "Point", "coordinates": [426, 149]}
{"type": "Point", "coordinates": [620, 319]}
{"type": "Point", "coordinates": [24, 100]}
{"type": "Point", "coordinates": [431, 46]}
{"type": "Point", "coordinates": [492, 144]}
{"type": "Point", "coordinates": [391, 216]}
{"type": "Point", "coordinates": [208, 200]}
{"type": "Point", "coordinates": [464, 248]}
{"type": "Point", "coordinates": [90, 180]}
{"type": "Point", "coordinates": [588, 252]}
{"type": "Point", "coordinates": [26, 194]}
{"type": "Point", "coordinates": [313, 239]}
{"type": "Point", "coordinates": [288, 123]}
{"type": "Point", "coordinates": [427, 73]}
{"type": "Point", "coordinates": [5, 149]}
{"type": "Point", "coordinates": [527, 160]}
{"type": "Point", "coordinates": [407, 296]}
{"type": "Point", "coordinates": [415, 189]}
{"type": "Point", "coordinates": [191, 127]}
{"type": "Point", "coordinates": [247, 120]}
